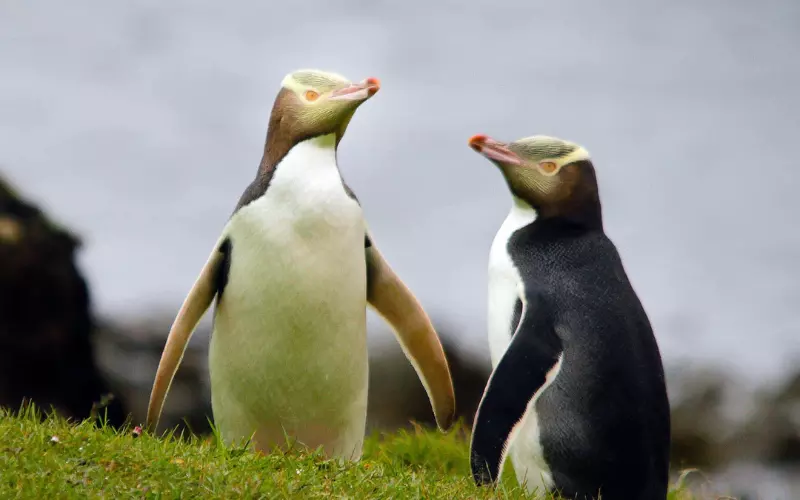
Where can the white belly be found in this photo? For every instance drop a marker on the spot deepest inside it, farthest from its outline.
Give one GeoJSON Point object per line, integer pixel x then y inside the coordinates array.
{"type": "Point", "coordinates": [505, 288]}
{"type": "Point", "coordinates": [288, 351]}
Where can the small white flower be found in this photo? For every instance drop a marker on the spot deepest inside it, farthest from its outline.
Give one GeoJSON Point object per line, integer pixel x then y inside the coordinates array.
{"type": "Point", "coordinates": [55, 439]}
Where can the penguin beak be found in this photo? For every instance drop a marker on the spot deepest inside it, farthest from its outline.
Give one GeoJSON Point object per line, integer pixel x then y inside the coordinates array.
{"type": "Point", "coordinates": [356, 91]}
{"type": "Point", "coordinates": [494, 150]}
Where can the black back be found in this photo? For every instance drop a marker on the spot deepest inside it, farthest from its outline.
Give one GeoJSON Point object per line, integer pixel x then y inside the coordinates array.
{"type": "Point", "coordinates": [604, 421]}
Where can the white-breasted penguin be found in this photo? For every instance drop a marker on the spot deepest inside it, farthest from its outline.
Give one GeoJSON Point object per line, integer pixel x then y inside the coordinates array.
{"type": "Point", "coordinates": [577, 396]}
{"type": "Point", "coordinates": [293, 272]}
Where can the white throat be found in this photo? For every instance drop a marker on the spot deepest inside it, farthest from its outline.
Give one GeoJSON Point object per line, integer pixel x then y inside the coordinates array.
{"type": "Point", "coordinates": [307, 160]}
{"type": "Point", "coordinates": [522, 212]}
{"type": "Point", "coordinates": [520, 215]}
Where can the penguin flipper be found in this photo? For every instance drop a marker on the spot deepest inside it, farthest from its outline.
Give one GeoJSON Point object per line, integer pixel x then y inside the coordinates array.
{"type": "Point", "coordinates": [392, 299]}
{"type": "Point", "coordinates": [524, 371]}
{"type": "Point", "coordinates": [194, 306]}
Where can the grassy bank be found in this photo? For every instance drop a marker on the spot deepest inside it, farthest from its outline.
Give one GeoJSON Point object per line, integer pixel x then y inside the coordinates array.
{"type": "Point", "coordinates": [56, 459]}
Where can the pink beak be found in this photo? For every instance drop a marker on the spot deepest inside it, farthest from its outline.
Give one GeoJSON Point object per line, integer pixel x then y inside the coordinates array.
{"type": "Point", "coordinates": [494, 150]}
{"type": "Point", "coordinates": [357, 91]}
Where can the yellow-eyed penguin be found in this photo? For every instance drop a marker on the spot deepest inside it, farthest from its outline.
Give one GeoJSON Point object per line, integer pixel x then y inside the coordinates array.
{"type": "Point", "coordinates": [577, 395]}
{"type": "Point", "coordinates": [292, 273]}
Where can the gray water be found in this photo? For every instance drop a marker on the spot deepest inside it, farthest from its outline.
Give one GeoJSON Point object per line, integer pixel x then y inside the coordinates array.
{"type": "Point", "coordinates": [140, 123]}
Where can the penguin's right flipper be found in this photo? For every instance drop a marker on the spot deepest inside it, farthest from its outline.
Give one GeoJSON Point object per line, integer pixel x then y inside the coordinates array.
{"type": "Point", "coordinates": [525, 369]}
{"type": "Point", "coordinates": [210, 281]}
{"type": "Point", "coordinates": [392, 299]}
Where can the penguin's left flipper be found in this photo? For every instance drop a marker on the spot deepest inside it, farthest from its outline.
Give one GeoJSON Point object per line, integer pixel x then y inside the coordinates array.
{"type": "Point", "coordinates": [210, 282]}
{"type": "Point", "coordinates": [392, 299]}
{"type": "Point", "coordinates": [524, 371]}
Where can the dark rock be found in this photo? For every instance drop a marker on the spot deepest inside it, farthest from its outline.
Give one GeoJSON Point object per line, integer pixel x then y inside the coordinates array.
{"type": "Point", "coordinates": [696, 418]}
{"type": "Point", "coordinates": [710, 431]}
{"type": "Point", "coordinates": [46, 354]}
{"type": "Point", "coordinates": [772, 433]}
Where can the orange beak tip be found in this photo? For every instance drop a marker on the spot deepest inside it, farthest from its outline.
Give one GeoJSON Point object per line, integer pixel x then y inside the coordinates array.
{"type": "Point", "coordinates": [373, 85]}
{"type": "Point", "coordinates": [476, 141]}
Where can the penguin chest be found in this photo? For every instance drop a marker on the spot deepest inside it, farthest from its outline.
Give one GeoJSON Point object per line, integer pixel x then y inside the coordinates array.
{"type": "Point", "coordinates": [302, 270]}
{"type": "Point", "coordinates": [289, 343]}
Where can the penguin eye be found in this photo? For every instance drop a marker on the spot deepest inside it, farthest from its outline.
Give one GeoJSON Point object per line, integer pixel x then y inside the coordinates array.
{"type": "Point", "coordinates": [548, 167]}
{"type": "Point", "coordinates": [311, 96]}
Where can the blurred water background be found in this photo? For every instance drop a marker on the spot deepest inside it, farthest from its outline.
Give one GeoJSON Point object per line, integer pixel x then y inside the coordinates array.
{"type": "Point", "coordinates": [139, 124]}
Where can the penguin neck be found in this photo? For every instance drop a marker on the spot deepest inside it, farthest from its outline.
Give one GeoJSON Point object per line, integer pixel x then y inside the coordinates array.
{"type": "Point", "coordinates": [277, 148]}
{"type": "Point", "coordinates": [521, 214]}
{"type": "Point", "coordinates": [586, 216]}
{"type": "Point", "coordinates": [308, 163]}
{"type": "Point", "coordinates": [545, 222]}
{"type": "Point", "coordinates": [522, 210]}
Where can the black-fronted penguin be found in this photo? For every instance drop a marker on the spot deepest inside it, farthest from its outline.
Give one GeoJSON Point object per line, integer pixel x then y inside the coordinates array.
{"type": "Point", "coordinates": [293, 272]}
{"type": "Point", "coordinates": [577, 396]}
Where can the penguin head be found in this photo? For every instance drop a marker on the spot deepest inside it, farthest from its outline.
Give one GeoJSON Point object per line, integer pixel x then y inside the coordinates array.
{"type": "Point", "coordinates": [554, 176]}
{"type": "Point", "coordinates": [314, 103]}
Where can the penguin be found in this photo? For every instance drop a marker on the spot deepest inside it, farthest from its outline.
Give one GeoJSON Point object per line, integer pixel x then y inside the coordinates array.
{"type": "Point", "coordinates": [292, 273]}
{"type": "Point", "coordinates": [576, 396]}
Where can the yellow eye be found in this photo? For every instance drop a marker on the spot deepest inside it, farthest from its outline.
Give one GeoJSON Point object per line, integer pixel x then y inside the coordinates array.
{"type": "Point", "coordinates": [311, 96]}
{"type": "Point", "coordinates": [548, 167]}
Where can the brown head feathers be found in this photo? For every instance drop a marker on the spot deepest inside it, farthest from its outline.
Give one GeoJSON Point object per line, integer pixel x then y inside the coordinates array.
{"type": "Point", "coordinates": [312, 103]}
{"type": "Point", "coordinates": [554, 176]}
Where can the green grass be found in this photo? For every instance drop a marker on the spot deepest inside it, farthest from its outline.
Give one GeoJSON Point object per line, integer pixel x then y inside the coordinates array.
{"type": "Point", "coordinates": [86, 460]}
